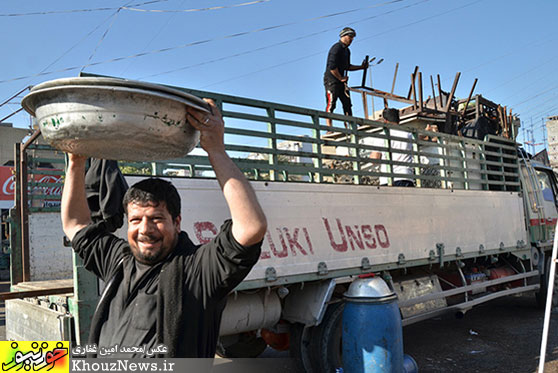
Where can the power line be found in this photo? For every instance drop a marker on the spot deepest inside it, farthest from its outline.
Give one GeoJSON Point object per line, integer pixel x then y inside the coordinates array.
{"type": "Point", "coordinates": [535, 96]}
{"type": "Point", "coordinates": [524, 87]}
{"type": "Point", "coordinates": [516, 50]}
{"type": "Point", "coordinates": [114, 16]}
{"type": "Point", "coordinates": [421, 20]}
{"type": "Point", "coordinates": [199, 42]}
{"type": "Point", "coordinates": [360, 40]}
{"type": "Point", "coordinates": [14, 96]}
{"type": "Point", "coordinates": [153, 38]}
{"type": "Point", "coordinates": [285, 42]}
{"type": "Point", "coordinates": [133, 9]}
{"type": "Point", "coordinates": [538, 106]}
{"type": "Point", "coordinates": [548, 111]}
{"type": "Point", "coordinates": [73, 10]}
{"type": "Point", "coordinates": [79, 42]}
{"type": "Point", "coordinates": [196, 10]}
{"type": "Point", "coordinates": [522, 74]}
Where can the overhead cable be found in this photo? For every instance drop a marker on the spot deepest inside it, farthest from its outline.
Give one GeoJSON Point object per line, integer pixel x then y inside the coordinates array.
{"type": "Point", "coordinates": [535, 96]}
{"type": "Point", "coordinates": [74, 10]}
{"type": "Point", "coordinates": [83, 38]}
{"type": "Point", "coordinates": [11, 115]}
{"type": "Point", "coordinates": [514, 51]}
{"type": "Point", "coordinates": [292, 40]}
{"type": "Point", "coordinates": [538, 105]}
{"type": "Point", "coordinates": [114, 16]}
{"type": "Point", "coordinates": [358, 41]}
{"type": "Point", "coordinates": [420, 20]}
{"type": "Point", "coordinates": [153, 37]}
{"type": "Point", "coordinates": [522, 74]}
{"type": "Point", "coordinates": [14, 96]}
{"type": "Point", "coordinates": [77, 43]}
{"type": "Point", "coordinates": [199, 42]}
{"type": "Point", "coordinates": [525, 87]}
{"type": "Point", "coordinates": [195, 10]}
{"type": "Point", "coordinates": [134, 9]}
{"type": "Point", "coordinates": [542, 111]}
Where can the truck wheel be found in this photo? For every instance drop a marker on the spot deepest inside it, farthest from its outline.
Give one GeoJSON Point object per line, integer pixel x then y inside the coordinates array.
{"type": "Point", "coordinates": [326, 339]}
{"type": "Point", "coordinates": [299, 348]}
{"type": "Point", "coordinates": [244, 345]}
{"type": "Point", "coordinates": [541, 294]}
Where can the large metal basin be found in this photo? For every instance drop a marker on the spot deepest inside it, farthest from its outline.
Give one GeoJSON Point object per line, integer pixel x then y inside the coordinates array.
{"type": "Point", "coordinates": [114, 119]}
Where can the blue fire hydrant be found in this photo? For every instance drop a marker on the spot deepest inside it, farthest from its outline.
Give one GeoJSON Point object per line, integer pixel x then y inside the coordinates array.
{"type": "Point", "coordinates": [372, 330]}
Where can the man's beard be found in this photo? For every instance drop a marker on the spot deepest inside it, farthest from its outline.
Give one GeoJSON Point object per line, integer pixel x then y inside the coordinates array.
{"type": "Point", "coordinates": [149, 257]}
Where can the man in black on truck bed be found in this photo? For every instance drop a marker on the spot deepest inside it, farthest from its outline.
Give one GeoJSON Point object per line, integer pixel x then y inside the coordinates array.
{"type": "Point", "coordinates": [335, 76]}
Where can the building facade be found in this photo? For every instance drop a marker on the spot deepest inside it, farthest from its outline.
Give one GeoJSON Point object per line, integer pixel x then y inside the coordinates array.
{"type": "Point", "coordinates": [9, 136]}
{"type": "Point", "coordinates": [552, 132]}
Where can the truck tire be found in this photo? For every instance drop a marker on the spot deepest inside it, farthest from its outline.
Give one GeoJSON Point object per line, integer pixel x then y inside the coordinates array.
{"type": "Point", "coordinates": [244, 345]}
{"type": "Point", "coordinates": [326, 339]}
{"type": "Point", "coordinates": [300, 348]}
{"type": "Point", "coordinates": [541, 294]}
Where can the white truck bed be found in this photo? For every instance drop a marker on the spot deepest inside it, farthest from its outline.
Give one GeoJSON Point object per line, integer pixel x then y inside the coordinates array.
{"type": "Point", "coordinates": [342, 224]}
{"type": "Point", "coordinates": [338, 225]}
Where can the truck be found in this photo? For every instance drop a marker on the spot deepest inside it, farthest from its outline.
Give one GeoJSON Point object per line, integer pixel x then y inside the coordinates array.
{"type": "Point", "coordinates": [478, 225]}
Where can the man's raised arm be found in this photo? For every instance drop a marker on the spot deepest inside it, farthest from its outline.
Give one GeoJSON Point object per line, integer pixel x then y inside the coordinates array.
{"type": "Point", "coordinates": [249, 222]}
{"type": "Point", "coordinates": [75, 211]}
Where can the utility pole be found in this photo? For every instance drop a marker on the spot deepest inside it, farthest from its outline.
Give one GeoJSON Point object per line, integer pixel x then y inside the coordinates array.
{"type": "Point", "coordinates": [523, 138]}
{"type": "Point", "coordinates": [544, 132]}
{"type": "Point", "coordinates": [533, 149]}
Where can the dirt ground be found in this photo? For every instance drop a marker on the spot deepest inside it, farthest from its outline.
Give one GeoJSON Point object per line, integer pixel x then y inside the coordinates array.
{"type": "Point", "coordinates": [501, 336]}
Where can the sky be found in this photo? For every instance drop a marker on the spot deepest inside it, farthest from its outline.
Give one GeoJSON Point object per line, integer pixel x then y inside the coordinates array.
{"type": "Point", "coordinates": [275, 50]}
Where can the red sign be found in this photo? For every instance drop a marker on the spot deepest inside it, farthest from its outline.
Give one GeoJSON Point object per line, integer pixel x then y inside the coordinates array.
{"type": "Point", "coordinates": [7, 184]}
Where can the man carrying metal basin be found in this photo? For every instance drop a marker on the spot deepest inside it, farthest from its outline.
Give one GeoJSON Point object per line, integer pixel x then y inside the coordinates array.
{"type": "Point", "coordinates": [161, 288]}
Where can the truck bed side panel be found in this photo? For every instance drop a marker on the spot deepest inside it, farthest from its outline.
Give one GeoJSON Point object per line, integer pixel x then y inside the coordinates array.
{"type": "Point", "coordinates": [341, 224]}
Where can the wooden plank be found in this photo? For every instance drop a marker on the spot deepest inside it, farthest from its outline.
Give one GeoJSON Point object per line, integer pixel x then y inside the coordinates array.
{"type": "Point", "coordinates": [35, 293]}
{"type": "Point", "coordinates": [421, 103]}
{"type": "Point", "coordinates": [394, 77]}
{"type": "Point", "coordinates": [41, 285]}
{"type": "Point", "coordinates": [413, 90]}
{"type": "Point", "coordinates": [452, 92]}
{"type": "Point", "coordinates": [434, 94]}
{"type": "Point", "coordinates": [365, 105]}
{"type": "Point", "coordinates": [440, 91]}
{"type": "Point", "coordinates": [469, 98]}
{"type": "Point", "coordinates": [382, 94]}
{"type": "Point", "coordinates": [410, 88]}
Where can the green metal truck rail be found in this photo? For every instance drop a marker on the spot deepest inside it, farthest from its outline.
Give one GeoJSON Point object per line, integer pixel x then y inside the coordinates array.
{"type": "Point", "coordinates": [257, 132]}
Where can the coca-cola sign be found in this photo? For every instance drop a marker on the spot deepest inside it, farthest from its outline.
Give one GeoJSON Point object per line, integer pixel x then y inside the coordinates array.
{"type": "Point", "coordinates": [8, 188]}
{"type": "Point", "coordinates": [48, 191]}
{"type": "Point", "coordinates": [7, 191]}
{"type": "Point", "coordinates": [7, 181]}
